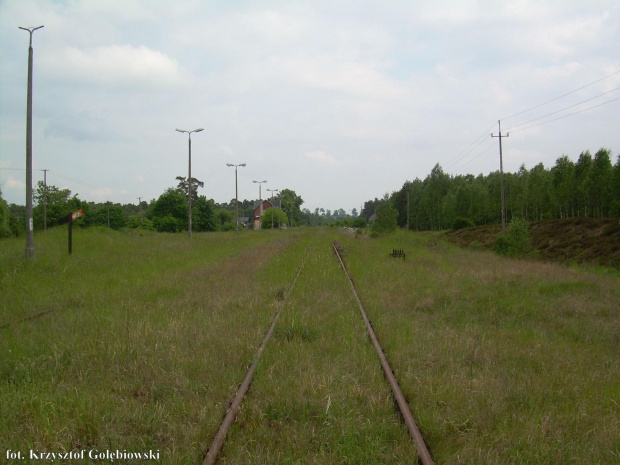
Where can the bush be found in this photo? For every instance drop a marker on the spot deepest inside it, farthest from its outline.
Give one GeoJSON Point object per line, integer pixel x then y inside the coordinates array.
{"type": "Point", "coordinates": [461, 223]}
{"type": "Point", "coordinates": [516, 242]}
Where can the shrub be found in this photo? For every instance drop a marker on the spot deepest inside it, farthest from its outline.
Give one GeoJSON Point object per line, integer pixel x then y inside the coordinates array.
{"type": "Point", "coordinates": [516, 242]}
{"type": "Point", "coordinates": [461, 223]}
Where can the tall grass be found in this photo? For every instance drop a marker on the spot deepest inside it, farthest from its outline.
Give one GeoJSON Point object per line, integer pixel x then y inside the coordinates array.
{"type": "Point", "coordinates": [146, 341]}
{"type": "Point", "coordinates": [502, 361]}
{"type": "Point", "coordinates": [147, 337]}
{"type": "Point", "coordinates": [319, 395]}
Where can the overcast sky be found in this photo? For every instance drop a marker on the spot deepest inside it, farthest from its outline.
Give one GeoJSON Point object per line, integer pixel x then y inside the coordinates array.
{"type": "Point", "coordinates": [340, 101]}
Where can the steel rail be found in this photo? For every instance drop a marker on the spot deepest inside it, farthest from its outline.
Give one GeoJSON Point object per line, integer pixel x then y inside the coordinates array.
{"type": "Point", "coordinates": [220, 437]}
{"type": "Point", "coordinates": [30, 317]}
{"type": "Point", "coordinates": [424, 455]}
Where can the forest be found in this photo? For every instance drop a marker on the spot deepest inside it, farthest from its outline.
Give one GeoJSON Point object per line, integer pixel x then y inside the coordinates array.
{"type": "Point", "coordinates": [589, 187]}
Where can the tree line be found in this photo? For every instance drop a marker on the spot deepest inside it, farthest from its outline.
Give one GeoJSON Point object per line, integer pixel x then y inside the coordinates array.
{"type": "Point", "coordinates": [167, 213]}
{"type": "Point", "coordinates": [588, 187]}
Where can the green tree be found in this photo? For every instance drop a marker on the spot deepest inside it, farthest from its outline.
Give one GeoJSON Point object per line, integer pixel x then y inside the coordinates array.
{"type": "Point", "coordinates": [516, 242]}
{"type": "Point", "coordinates": [386, 221]}
{"type": "Point", "coordinates": [204, 213]}
{"type": "Point", "coordinates": [615, 189]}
{"type": "Point", "coordinates": [60, 203]}
{"type": "Point", "coordinates": [110, 214]}
{"type": "Point", "coordinates": [169, 212]}
{"type": "Point", "coordinates": [599, 183]}
{"type": "Point", "coordinates": [291, 204]}
{"type": "Point", "coordinates": [183, 187]}
{"type": "Point", "coordinates": [273, 216]}
{"type": "Point", "coordinates": [9, 225]}
{"type": "Point", "coordinates": [582, 180]}
{"type": "Point", "coordinates": [563, 186]}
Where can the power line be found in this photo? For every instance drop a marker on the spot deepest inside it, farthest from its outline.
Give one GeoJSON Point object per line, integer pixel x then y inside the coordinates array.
{"type": "Point", "coordinates": [561, 96]}
{"type": "Point", "coordinates": [492, 144]}
{"type": "Point", "coordinates": [563, 109]}
{"type": "Point", "coordinates": [470, 148]}
{"type": "Point", "coordinates": [566, 116]}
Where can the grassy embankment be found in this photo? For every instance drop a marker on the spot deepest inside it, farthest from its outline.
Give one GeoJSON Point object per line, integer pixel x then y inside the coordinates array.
{"type": "Point", "coordinates": [584, 241]}
{"type": "Point", "coordinates": [503, 361]}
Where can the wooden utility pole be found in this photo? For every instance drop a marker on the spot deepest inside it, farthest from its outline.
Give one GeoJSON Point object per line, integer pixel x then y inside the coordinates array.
{"type": "Point", "coordinates": [501, 174]}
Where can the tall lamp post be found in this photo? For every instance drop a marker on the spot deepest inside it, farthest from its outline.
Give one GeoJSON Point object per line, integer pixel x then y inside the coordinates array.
{"type": "Point", "coordinates": [29, 225]}
{"type": "Point", "coordinates": [236, 193]}
{"type": "Point", "coordinates": [189, 179]}
{"type": "Point", "coordinates": [260, 199]}
{"type": "Point", "coordinates": [272, 191]}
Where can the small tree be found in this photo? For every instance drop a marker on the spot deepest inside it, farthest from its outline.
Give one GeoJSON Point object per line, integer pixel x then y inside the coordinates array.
{"type": "Point", "coordinates": [387, 217]}
{"type": "Point", "coordinates": [516, 242]}
{"type": "Point", "coordinates": [273, 216]}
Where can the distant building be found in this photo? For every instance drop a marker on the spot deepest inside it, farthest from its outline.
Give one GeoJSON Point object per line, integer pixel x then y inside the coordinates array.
{"type": "Point", "coordinates": [260, 206]}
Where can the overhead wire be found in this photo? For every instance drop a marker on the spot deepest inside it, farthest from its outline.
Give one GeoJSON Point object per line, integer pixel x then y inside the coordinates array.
{"type": "Point", "coordinates": [470, 148]}
{"type": "Point", "coordinates": [561, 96]}
{"type": "Point", "coordinates": [564, 109]}
{"type": "Point", "coordinates": [516, 128]}
{"type": "Point", "coordinates": [566, 116]}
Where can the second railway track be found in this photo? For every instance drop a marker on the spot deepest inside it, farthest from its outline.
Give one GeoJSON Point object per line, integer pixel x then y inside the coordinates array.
{"type": "Point", "coordinates": [316, 312]}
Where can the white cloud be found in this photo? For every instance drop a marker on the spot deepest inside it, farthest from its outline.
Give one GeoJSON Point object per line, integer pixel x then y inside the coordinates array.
{"type": "Point", "coordinates": [321, 157]}
{"type": "Point", "coordinates": [115, 65]}
{"type": "Point", "coordinates": [14, 184]}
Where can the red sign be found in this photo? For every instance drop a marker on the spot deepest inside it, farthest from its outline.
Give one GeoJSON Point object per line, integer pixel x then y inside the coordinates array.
{"type": "Point", "coordinates": [75, 215]}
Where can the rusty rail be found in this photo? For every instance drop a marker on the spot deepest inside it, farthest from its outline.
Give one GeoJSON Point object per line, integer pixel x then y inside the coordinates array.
{"type": "Point", "coordinates": [220, 437]}
{"type": "Point", "coordinates": [423, 454]}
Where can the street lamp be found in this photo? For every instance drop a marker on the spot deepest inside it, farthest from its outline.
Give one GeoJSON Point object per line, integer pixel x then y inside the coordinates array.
{"type": "Point", "coordinates": [189, 179]}
{"type": "Point", "coordinates": [260, 197]}
{"type": "Point", "coordinates": [272, 211]}
{"type": "Point", "coordinates": [29, 225]}
{"type": "Point", "coordinates": [236, 193]}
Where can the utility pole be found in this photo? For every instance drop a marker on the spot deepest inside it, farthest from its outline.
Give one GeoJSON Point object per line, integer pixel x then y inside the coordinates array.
{"type": "Point", "coordinates": [141, 214]}
{"type": "Point", "coordinates": [407, 208]}
{"type": "Point", "coordinates": [45, 199]}
{"type": "Point", "coordinates": [501, 174]}
{"type": "Point", "coordinates": [108, 204]}
{"type": "Point", "coordinates": [29, 222]}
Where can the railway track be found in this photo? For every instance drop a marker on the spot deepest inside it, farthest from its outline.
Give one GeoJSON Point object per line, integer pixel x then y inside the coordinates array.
{"type": "Point", "coordinates": [423, 454]}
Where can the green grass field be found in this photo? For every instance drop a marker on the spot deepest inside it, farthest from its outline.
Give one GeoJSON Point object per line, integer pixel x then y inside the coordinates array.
{"type": "Point", "coordinates": [146, 338]}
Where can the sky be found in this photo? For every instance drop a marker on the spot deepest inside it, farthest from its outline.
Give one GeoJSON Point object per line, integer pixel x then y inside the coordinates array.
{"type": "Point", "coordinates": [340, 101]}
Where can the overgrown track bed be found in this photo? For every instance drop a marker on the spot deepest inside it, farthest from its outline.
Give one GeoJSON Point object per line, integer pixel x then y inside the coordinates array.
{"type": "Point", "coordinates": [220, 437]}
{"type": "Point", "coordinates": [318, 395]}
{"type": "Point", "coordinates": [423, 453]}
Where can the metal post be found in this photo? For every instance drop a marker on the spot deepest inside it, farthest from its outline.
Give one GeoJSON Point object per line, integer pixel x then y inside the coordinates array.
{"type": "Point", "coordinates": [29, 222]}
{"type": "Point", "coordinates": [260, 199]}
{"type": "Point", "coordinates": [189, 179]}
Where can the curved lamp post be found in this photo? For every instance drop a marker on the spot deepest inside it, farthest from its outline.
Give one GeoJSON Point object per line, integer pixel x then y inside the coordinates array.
{"type": "Point", "coordinates": [236, 193]}
{"type": "Point", "coordinates": [189, 179]}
